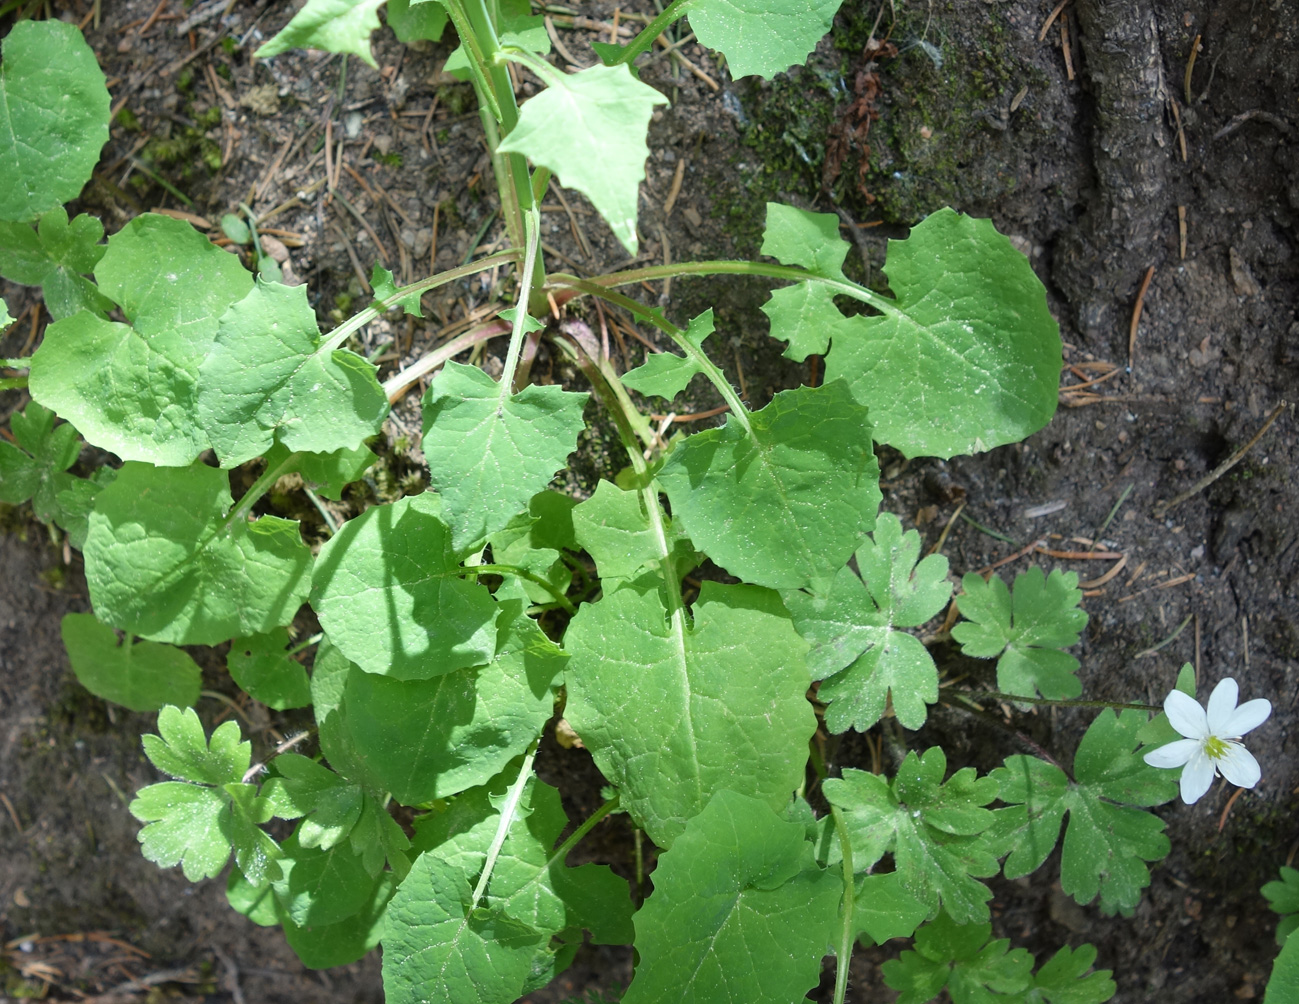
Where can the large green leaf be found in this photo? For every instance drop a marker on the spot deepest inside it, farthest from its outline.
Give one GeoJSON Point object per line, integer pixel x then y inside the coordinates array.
{"type": "Point", "coordinates": [967, 355]}
{"type": "Point", "coordinates": [674, 713]}
{"type": "Point", "coordinates": [323, 946]}
{"type": "Point", "coordinates": [740, 911]}
{"type": "Point", "coordinates": [268, 377]}
{"type": "Point", "coordinates": [54, 109]}
{"type": "Point", "coordinates": [852, 625]}
{"type": "Point", "coordinates": [56, 256]}
{"type": "Point", "coordinates": [613, 527]}
{"type": "Point", "coordinates": [427, 739]}
{"type": "Point", "coordinates": [1026, 632]}
{"type": "Point", "coordinates": [765, 37]}
{"type": "Point", "coordinates": [781, 496]}
{"type": "Point", "coordinates": [332, 25]}
{"type": "Point", "coordinates": [1283, 984]}
{"type": "Point", "coordinates": [932, 827]}
{"type": "Point", "coordinates": [164, 561]}
{"type": "Point", "coordinates": [142, 676]}
{"type": "Point", "coordinates": [133, 389]}
{"type": "Point", "coordinates": [390, 594]}
{"type": "Point", "coordinates": [589, 129]}
{"type": "Point", "coordinates": [1108, 842]}
{"type": "Point", "coordinates": [489, 453]}
{"type": "Point", "coordinates": [321, 886]}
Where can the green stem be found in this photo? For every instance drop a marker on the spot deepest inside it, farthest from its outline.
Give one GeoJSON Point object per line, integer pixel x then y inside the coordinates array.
{"type": "Point", "coordinates": [725, 267]}
{"type": "Point", "coordinates": [994, 695]}
{"type": "Point", "coordinates": [439, 356]}
{"type": "Point", "coordinates": [846, 931]}
{"type": "Point", "coordinates": [508, 810]}
{"type": "Point", "coordinates": [532, 226]}
{"type": "Point", "coordinates": [302, 646]}
{"type": "Point", "coordinates": [697, 355]}
{"type": "Point", "coordinates": [357, 321]}
{"type": "Point", "coordinates": [561, 852]}
{"type": "Point", "coordinates": [653, 30]}
{"type": "Point", "coordinates": [522, 573]}
{"type": "Point", "coordinates": [259, 488]}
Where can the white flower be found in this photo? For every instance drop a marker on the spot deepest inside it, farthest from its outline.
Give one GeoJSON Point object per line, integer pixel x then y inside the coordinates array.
{"type": "Point", "coordinates": [1212, 742]}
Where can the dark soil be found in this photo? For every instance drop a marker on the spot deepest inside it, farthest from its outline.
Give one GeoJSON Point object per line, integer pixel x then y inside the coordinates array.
{"type": "Point", "coordinates": [1075, 150]}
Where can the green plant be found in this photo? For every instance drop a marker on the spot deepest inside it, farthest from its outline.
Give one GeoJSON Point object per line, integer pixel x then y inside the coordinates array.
{"type": "Point", "coordinates": [454, 620]}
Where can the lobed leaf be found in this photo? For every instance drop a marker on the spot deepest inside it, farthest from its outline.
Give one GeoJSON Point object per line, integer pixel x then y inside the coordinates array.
{"type": "Point", "coordinates": [183, 827]}
{"type": "Point", "coordinates": [142, 676]}
{"type": "Point", "coordinates": [614, 529]}
{"type": "Point", "coordinates": [35, 468]}
{"type": "Point", "coordinates": [962, 959]}
{"type": "Point", "coordinates": [164, 561]}
{"type": "Point", "coordinates": [674, 713]}
{"type": "Point", "coordinates": [589, 129]}
{"type": "Point", "coordinates": [666, 375]}
{"type": "Point", "coordinates": [852, 624]}
{"type": "Point", "coordinates": [1283, 897]}
{"type": "Point", "coordinates": [931, 827]}
{"type": "Point", "coordinates": [1026, 632]}
{"type": "Point", "coordinates": [321, 886]}
{"type": "Point", "coordinates": [1106, 843]}
{"type": "Point", "coordinates": [781, 496]}
{"type": "Point", "coordinates": [182, 750]}
{"type": "Point", "coordinates": [133, 389]}
{"type": "Point", "coordinates": [54, 109]}
{"type": "Point", "coordinates": [268, 378]}
{"type": "Point", "coordinates": [303, 788]}
{"type": "Point", "coordinates": [740, 910]}
{"type": "Point", "coordinates": [1066, 979]}
{"type": "Point", "coordinates": [56, 256]}
{"type": "Point", "coordinates": [489, 453]}
{"type": "Point", "coordinates": [389, 592]}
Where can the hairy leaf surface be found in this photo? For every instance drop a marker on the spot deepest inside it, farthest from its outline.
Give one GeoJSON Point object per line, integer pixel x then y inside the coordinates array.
{"type": "Point", "coordinates": [785, 500]}
{"type": "Point", "coordinates": [674, 713]}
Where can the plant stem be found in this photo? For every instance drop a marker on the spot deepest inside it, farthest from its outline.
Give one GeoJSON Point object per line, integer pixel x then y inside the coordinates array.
{"type": "Point", "coordinates": [357, 321]}
{"type": "Point", "coordinates": [532, 226]}
{"type": "Point", "coordinates": [523, 573]}
{"type": "Point", "coordinates": [508, 809]}
{"type": "Point", "coordinates": [259, 488]}
{"type": "Point", "coordinates": [697, 355]}
{"type": "Point", "coordinates": [561, 852]}
{"type": "Point", "coordinates": [398, 382]}
{"type": "Point", "coordinates": [846, 931]}
{"type": "Point", "coordinates": [651, 31]}
{"type": "Point", "coordinates": [995, 695]}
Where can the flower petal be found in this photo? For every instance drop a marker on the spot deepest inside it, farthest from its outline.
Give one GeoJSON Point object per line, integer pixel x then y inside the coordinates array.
{"type": "Point", "coordinates": [1175, 754]}
{"type": "Point", "coordinates": [1222, 702]}
{"type": "Point", "coordinates": [1249, 715]}
{"type": "Point", "coordinates": [1186, 716]}
{"type": "Point", "coordinates": [1197, 776]}
{"type": "Point", "coordinates": [1239, 766]}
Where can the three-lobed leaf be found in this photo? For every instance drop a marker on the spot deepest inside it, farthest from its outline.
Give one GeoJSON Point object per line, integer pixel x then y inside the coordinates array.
{"type": "Point", "coordinates": [673, 713]}
{"type": "Point", "coordinates": [490, 452]}
{"type": "Point", "coordinates": [56, 256]}
{"type": "Point", "coordinates": [1108, 842]}
{"type": "Point", "coordinates": [1026, 631]}
{"type": "Point", "coordinates": [782, 496]}
{"type": "Point", "coordinates": [933, 829]}
{"type": "Point", "coordinates": [1283, 897]}
{"type": "Point", "coordinates": [740, 910]}
{"type": "Point", "coordinates": [852, 624]}
{"type": "Point", "coordinates": [36, 467]}
{"type": "Point", "coordinates": [165, 561]}
{"type": "Point", "coordinates": [140, 675]}
{"type": "Point", "coordinates": [54, 108]}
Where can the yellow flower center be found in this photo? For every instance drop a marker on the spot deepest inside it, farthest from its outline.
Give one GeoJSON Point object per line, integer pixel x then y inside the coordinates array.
{"type": "Point", "coordinates": [1215, 748]}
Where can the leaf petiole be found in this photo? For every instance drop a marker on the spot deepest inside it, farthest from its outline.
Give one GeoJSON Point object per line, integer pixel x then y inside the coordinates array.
{"type": "Point", "coordinates": [522, 573]}
{"type": "Point", "coordinates": [846, 932]}
{"type": "Point", "coordinates": [532, 228]}
{"type": "Point", "coordinates": [509, 810]}
{"type": "Point", "coordinates": [995, 695]}
{"type": "Point", "coordinates": [643, 41]}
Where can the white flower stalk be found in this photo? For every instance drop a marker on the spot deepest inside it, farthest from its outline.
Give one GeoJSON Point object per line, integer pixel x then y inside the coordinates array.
{"type": "Point", "coordinates": [1212, 744]}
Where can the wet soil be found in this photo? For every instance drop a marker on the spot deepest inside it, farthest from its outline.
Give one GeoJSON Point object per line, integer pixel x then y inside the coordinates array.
{"type": "Point", "coordinates": [1094, 148]}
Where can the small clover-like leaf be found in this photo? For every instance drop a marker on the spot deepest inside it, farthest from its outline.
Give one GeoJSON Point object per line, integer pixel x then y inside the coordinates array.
{"type": "Point", "coordinates": [781, 496]}
{"type": "Point", "coordinates": [35, 468]}
{"type": "Point", "coordinates": [666, 375]}
{"type": "Point", "coordinates": [382, 282]}
{"type": "Point", "coordinates": [164, 561]}
{"type": "Point", "coordinates": [1025, 631]}
{"type": "Point", "coordinates": [740, 910]}
{"type": "Point", "coordinates": [183, 751]}
{"type": "Point", "coordinates": [765, 37]}
{"type": "Point", "coordinates": [56, 256]}
{"type": "Point", "coordinates": [54, 108]}
{"type": "Point", "coordinates": [589, 129]}
{"type": "Point", "coordinates": [853, 627]}
{"type": "Point", "coordinates": [332, 25]}
{"type": "Point", "coordinates": [302, 787]}
{"type": "Point", "coordinates": [488, 452]}
{"type": "Point", "coordinates": [1108, 841]}
{"type": "Point", "coordinates": [664, 707]}
{"type": "Point", "coordinates": [142, 676]}
{"type": "Point", "coordinates": [390, 593]}
{"type": "Point", "coordinates": [961, 958]}
{"type": "Point", "coordinates": [932, 828]}
{"type": "Point", "coordinates": [1065, 979]}
{"type": "Point", "coordinates": [1283, 898]}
